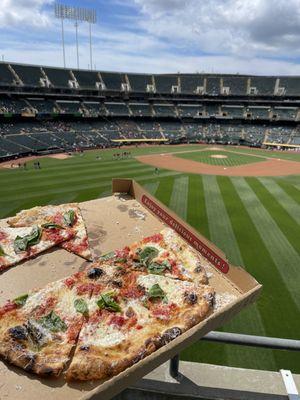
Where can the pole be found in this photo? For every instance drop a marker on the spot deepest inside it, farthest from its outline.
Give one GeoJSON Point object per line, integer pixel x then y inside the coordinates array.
{"type": "Point", "coordinates": [63, 41]}
{"type": "Point", "coordinates": [76, 26]}
{"type": "Point", "coordinates": [91, 51]}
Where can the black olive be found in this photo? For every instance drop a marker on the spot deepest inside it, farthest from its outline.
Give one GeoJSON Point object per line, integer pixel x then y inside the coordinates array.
{"type": "Point", "coordinates": [84, 348]}
{"type": "Point", "coordinates": [170, 334]}
{"type": "Point", "coordinates": [18, 332]}
{"type": "Point", "coordinates": [95, 273]}
{"type": "Point", "coordinates": [210, 297]}
{"type": "Point", "coordinates": [191, 298]}
{"type": "Point", "coordinates": [117, 283]}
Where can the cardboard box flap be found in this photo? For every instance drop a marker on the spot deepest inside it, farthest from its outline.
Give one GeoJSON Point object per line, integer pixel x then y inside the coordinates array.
{"type": "Point", "coordinates": [237, 275]}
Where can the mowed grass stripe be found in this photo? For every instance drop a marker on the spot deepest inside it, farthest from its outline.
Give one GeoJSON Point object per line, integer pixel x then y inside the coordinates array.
{"type": "Point", "coordinates": [88, 174]}
{"type": "Point", "coordinates": [65, 170]}
{"type": "Point", "coordinates": [151, 187]}
{"type": "Point", "coordinates": [196, 209]}
{"type": "Point", "coordinates": [289, 189]}
{"type": "Point", "coordinates": [283, 254]}
{"type": "Point", "coordinates": [289, 227]}
{"type": "Point", "coordinates": [82, 187]}
{"type": "Point", "coordinates": [178, 200]}
{"type": "Point", "coordinates": [82, 181]}
{"type": "Point", "coordinates": [259, 262]}
{"type": "Point", "coordinates": [288, 203]}
{"type": "Point", "coordinates": [164, 190]}
{"type": "Point", "coordinates": [222, 235]}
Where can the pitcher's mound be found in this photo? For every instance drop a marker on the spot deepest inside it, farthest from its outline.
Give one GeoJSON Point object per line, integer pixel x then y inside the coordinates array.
{"type": "Point", "coordinates": [218, 156]}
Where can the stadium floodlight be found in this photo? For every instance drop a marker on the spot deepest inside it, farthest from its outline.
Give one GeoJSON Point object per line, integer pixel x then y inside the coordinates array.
{"type": "Point", "coordinates": [77, 14]}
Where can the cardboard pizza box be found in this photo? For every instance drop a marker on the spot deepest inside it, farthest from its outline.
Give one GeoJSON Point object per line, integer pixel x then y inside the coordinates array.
{"type": "Point", "coordinates": [113, 222]}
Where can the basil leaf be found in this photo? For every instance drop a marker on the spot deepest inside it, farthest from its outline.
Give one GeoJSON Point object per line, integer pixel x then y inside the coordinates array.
{"type": "Point", "coordinates": [21, 300]}
{"type": "Point", "coordinates": [35, 236]}
{"type": "Point", "coordinates": [107, 256]}
{"type": "Point", "coordinates": [81, 307]}
{"type": "Point", "coordinates": [52, 226]}
{"type": "Point", "coordinates": [22, 243]}
{"type": "Point", "coordinates": [69, 217]}
{"type": "Point", "coordinates": [158, 269]}
{"type": "Point", "coordinates": [106, 301]}
{"type": "Point", "coordinates": [147, 254]}
{"type": "Point", "coordinates": [2, 252]}
{"type": "Point", "coordinates": [53, 322]}
{"type": "Point", "coordinates": [156, 292]}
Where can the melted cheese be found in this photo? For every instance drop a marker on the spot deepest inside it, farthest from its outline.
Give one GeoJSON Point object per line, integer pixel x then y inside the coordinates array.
{"type": "Point", "coordinates": [103, 336]}
{"type": "Point", "coordinates": [142, 313]}
{"type": "Point", "coordinates": [173, 289]}
{"type": "Point", "coordinates": [37, 298]}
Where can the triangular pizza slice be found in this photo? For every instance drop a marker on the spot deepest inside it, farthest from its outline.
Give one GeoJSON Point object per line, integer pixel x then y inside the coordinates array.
{"type": "Point", "coordinates": [38, 329]}
{"type": "Point", "coordinates": [66, 216]}
{"type": "Point", "coordinates": [17, 244]}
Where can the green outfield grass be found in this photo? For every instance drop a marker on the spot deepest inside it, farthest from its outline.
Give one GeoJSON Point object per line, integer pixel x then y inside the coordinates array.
{"type": "Point", "coordinates": [232, 159]}
{"type": "Point", "coordinates": [255, 221]}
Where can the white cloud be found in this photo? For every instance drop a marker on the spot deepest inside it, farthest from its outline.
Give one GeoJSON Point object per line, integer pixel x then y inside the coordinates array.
{"type": "Point", "coordinates": [22, 13]}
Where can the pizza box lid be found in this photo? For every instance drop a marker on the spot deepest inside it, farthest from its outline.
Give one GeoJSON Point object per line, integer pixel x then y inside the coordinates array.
{"type": "Point", "coordinates": [113, 222]}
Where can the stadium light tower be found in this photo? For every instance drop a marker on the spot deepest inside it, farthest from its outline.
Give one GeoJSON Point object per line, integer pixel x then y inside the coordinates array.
{"type": "Point", "coordinates": [77, 14]}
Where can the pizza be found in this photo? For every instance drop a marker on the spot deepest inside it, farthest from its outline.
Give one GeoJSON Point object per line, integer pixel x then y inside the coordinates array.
{"type": "Point", "coordinates": [125, 326]}
{"type": "Point", "coordinates": [39, 329]}
{"type": "Point", "coordinates": [17, 244]}
{"type": "Point", "coordinates": [65, 215]}
{"type": "Point", "coordinates": [123, 307]}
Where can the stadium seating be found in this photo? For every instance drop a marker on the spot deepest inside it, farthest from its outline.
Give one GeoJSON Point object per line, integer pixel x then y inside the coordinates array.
{"type": "Point", "coordinates": [258, 112]}
{"type": "Point", "coordinates": [264, 85]}
{"type": "Point", "coordinates": [42, 106]}
{"type": "Point", "coordinates": [113, 80]}
{"type": "Point", "coordinates": [140, 109]}
{"type": "Point", "coordinates": [86, 79]}
{"type": "Point", "coordinates": [213, 85]}
{"type": "Point", "coordinates": [139, 82]}
{"type": "Point", "coordinates": [164, 110]}
{"type": "Point", "coordinates": [6, 77]}
{"type": "Point", "coordinates": [189, 110]}
{"type": "Point", "coordinates": [190, 82]}
{"type": "Point", "coordinates": [291, 85]}
{"type": "Point", "coordinates": [118, 109]}
{"type": "Point", "coordinates": [58, 77]}
{"type": "Point", "coordinates": [29, 75]}
{"type": "Point", "coordinates": [233, 111]}
{"type": "Point", "coordinates": [164, 83]}
{"type": "Point", "coordinates": [237, 85]}
{"type": "Point", "coordinates": [12, 106]}
{"type": "Point", "coordinates": [69, 107]}
{"type": "Point", "coordinates": [285, 113]}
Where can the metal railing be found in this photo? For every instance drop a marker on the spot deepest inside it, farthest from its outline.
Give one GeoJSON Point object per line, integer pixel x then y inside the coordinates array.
{"type": "Point", "coordinates": [241, 340]}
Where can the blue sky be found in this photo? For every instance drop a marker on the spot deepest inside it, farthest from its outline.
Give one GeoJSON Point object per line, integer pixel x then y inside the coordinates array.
{"type": "Point", "coordinates": [232, 36]}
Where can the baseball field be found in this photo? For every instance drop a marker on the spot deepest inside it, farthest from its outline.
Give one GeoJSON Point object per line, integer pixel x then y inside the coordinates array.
{"type": "Point", "coordinates": [254, 217]}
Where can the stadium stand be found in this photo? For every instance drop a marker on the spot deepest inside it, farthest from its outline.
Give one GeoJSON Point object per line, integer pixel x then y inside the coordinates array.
{"type": "Point", "coordinates": [190, 82]}
{"type": "Point", "coordinates": [291, 85]}
{"type": "Point", "coordinates": [29, 75]}
{"type": "Point", "coordinates": [263, 85]}
{"type": "Point", "coordinates": [6, 77]}
{"type": "Point", "coordinates": [189, 110]}
{"type": "Point", "coordinates": [258, 112]}
{"type": "Point", "coordinates": [58, 77]}
{"type": "Point", "coordinates": [164, 83]}
{"type": "Point", "coordinates": [164, 110]}
{"type": "Point", "coordinates": [140, 109]}
{"type": "Point", "coordinates": [213, 85]}
{"type": "Point", "coordinates": [139, 82]}
{"type": "Point", "coordinates": [76, 112]}
{"type": "Point", "coordinates": [118, 109]}
{"type": "Point", "coordinates": [86, 79]}
{"type": "Point", "coordinates": [237, 85]}
{"type": "Point", "coordinates": [285, 113]}
{"type": "Point", "coordinates": [232, 111]}
{"type": "Point", "coordinates": [113, 80]}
